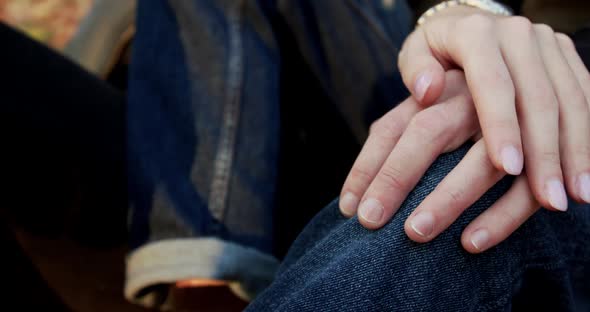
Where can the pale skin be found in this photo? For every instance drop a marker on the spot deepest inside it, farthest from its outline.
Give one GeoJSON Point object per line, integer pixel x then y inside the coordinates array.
{"type": "Point", "coordinates": [522, 93]}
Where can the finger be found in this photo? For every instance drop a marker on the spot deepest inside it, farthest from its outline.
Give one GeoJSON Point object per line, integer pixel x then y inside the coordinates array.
{"type": "Point", "coordinates": [574, 115]}
{"type": "Point", "coordinates": [383, 136]}
{"type": "Point", "coordinates": [583, 77]}
{"type": "Point", "coordinates": [456, 86]}
{"type": "Point", "coordinates": [473, 44]}
{"type": "Point", "coordinates": [538, 111]}
{"type": "Point", "coordinates": [424, 139]}
{"type": "Point", "coordinates": [575, 61]}
{"type": "Point", "coordinates": [421, 72]}
{"type": "Point", "coordinates": [500, 220]}
{"type": "Point", "coordinates": [462, 187]}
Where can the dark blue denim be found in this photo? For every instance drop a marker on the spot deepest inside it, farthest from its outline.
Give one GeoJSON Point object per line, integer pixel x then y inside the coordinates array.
{"type": "Point", "coordinates": [206, 102]}
{"type": "Point", "coordinates": [205, 99]}
{"type": "Point", "coordinates": [337, 265]}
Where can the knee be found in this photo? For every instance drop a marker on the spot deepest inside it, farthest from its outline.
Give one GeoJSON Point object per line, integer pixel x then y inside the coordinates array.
{"type": "Point", "coordinates": [387, 268]}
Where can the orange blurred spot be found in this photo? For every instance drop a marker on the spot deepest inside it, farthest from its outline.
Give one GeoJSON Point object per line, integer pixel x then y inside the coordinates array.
{"type": "Point", "coordinates": [201, 283]}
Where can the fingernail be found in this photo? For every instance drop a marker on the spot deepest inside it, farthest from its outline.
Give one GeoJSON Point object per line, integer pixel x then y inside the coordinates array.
{"type": "Point", "coordinates": [584, 185]}
{"type": "Point", "coordinates": [371, 210]}
{"type": "Point", "coordinates": [422, 84]}
{"type": "Point", "coordinates": [480, 239]}
{"type": "Point", "coordinates": [511, 160]}
{"type": "Point", "coordinates": [348, 204]}
{"type": "Point", "coordinates": [423, 223]}
{"type": "Point", "coordinates": [556, 194]}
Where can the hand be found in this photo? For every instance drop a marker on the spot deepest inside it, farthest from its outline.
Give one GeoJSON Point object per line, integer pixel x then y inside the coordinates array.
{"type": "Point", "coordinates": [530, 88]}
{"type": "Point", "coordinates": [400, 148]}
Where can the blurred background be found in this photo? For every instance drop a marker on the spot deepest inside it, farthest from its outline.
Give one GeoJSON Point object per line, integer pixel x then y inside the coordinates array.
{"type": "Point", "coordinates": [53, 22]}
{"type": "Point", "coordinates": [96, 34]}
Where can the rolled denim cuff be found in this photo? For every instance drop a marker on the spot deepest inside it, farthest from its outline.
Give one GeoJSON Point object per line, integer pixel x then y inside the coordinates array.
{"type": "Point", "coordinates": [165, 262]}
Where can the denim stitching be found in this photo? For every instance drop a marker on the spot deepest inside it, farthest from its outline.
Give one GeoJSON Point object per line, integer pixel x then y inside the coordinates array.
{"type": "Point", "coordinates": [231, 113]}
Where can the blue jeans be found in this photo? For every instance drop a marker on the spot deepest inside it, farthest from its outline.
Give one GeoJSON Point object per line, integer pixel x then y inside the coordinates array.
{"type": "Point", "coordinates": [214, 85]}
{"type": "Point", "coordinates": [214, 90]}
{"type": "Point", "coordinates": [337, 265]}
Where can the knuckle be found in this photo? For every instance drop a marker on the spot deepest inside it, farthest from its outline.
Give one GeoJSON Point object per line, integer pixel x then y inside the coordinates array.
{"type": "Point", "coordinates": [429, 124]}
{"type": "Point", "coordinates": [546, 107]}
{"type": "Point", "coordinates": [578, 101]}
{"type": "Point", "coordinates": [499, 78]}
{"type": "Point", "coordinates": [463, 110]}
{"type": "Point", "coordinates": [455, 196]}
{"type": "Point", "coordinates": [583, 150]}
{"type": "Point", "coordinates": [519, 25]}
{"type": "Point", "coordinates": [438, 112]}
{"type": "Point", "coordinates": [472, 29]}
{"type": "Point", "coordinates": [551, 157]}
{"type": "Point", "coordinates": [392, 178]}
{"type": "Point", "coordinates": [584, 81]}
{"type": "Point", "coordinates": [385, 129]}
{"type": "Point", "coordinates": [510, 223]}
{"type": "Point", "coordinates": [409, 39]}
{"type": "Point", "coordinates": [544, 103]}
{"type": "Point", "coordinates": [543, 29]}
{"type": "Point", "coordinates": [565, 41]}
{"type": "Point", "coordinates": [476, 23]}
{"type": "Point", "coordinates": [404, 56]}
{"type": "Point", "coordinates": [501, 125]}
{"type": "Point", "coordinates": [358, 173]}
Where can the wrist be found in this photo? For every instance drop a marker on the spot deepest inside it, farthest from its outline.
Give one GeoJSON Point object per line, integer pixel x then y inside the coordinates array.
{"type": "Point", "coordinates": [459, 11]}
{"type": "Point", "coordinates": [454, 13]}
{"type": "Point", "coordinates": [456, 8]}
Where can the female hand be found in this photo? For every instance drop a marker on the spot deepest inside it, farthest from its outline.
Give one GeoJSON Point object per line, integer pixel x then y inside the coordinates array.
{"type": "Point", "coordinates": [400, 148]}
{"type": "Point", "coordinates": [530, 88]}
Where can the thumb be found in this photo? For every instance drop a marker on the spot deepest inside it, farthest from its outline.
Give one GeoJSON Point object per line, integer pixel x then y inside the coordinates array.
{"type": "Point", "coordinates": [421, 72]}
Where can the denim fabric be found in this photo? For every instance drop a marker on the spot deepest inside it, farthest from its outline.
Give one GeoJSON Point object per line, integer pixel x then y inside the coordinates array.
{"type": "Point", "coordinates": [203, 124]}
{"type": "Point", "coordinates": [183, 131]}
{"type": "Point", "coordinates": [337, 265]}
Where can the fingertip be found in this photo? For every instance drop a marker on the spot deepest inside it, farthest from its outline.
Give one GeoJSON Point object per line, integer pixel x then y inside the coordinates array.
{"type": "Point", "coordinates": [477, 245]}
{"type": "Point", "coordinates": [480, 240]}
{"type": "Point", "coordinates": [469, 247]}
{"type": "Point", "coordinates": [369, 225]}
{"type": "Point", "coordinates": [421, 226]}
{"type": "Point", "coordinates": [575, 190]}
{"type": "Point", "coordinates": [512, 160]}
{"type": "Point", "coordinates": [429, 84]}
{"type": "Point", "coordinates": [370, 214]}
{"type": "Point", "coordinates": [584, 187]}
{"type": "Point", "coordinates": [413, 235]}
{"type": "Point", "coordinates": [348, 204]}
{"type": "Point", "coordinates": [539, 193]}
{"type": "Point", "coordinates": [422, 84]}
{"type": "Point", "coordinates": [556, 195]}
